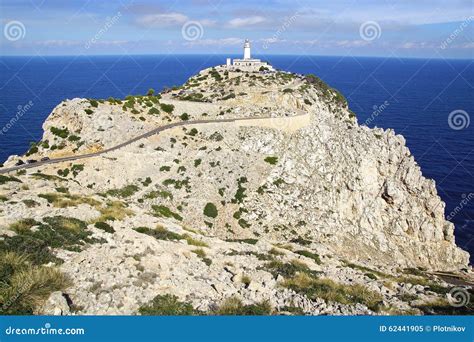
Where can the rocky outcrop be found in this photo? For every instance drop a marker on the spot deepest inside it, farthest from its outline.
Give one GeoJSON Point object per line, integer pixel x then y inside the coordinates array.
{"type": "Point", "coordinates": [233, 209]}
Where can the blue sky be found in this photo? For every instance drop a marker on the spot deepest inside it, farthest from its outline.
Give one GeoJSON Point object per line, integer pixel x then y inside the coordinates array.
{"type": "Point", "coordinates": [403, 28]}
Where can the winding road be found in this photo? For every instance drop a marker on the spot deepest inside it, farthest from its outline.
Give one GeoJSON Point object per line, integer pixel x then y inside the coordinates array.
{"type": "Point", "coordinates": [128, 142]}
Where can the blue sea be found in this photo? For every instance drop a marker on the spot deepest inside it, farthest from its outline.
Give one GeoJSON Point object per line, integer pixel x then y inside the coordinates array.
{"type": "Point", "coordinates": [415, 97]}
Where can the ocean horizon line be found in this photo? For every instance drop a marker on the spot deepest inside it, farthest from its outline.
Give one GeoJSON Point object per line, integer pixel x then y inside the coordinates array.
{"type": "Point", "coordinates": [235, 55]}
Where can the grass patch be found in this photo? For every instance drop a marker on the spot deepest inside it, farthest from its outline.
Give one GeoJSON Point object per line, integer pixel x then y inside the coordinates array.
{"type": "Point", "coordinates": [193, 242]}
{"type": "Point", "coordinates": [310, 255]}
{"type": "Point", "coordinates": [234, 307]}
{"type": "Point", "coordinates": [113, 211]}
{"type": "Point", "coordinates": [333, 292]}
{"type": "Point", "coordinates": [25, 286]}
{"type": "Point", "coordinates": [54, 232]}
{"type": "Point", "coordinates": [124, 192]}
{"type": "Point", "coordinates": [160, 233]}
{"type": "Point", "coordinates": [288, 269]}
{"type": "Point", "coordinates": [65, 200]}
{"type": "Point", "coordinates": [202, 255]}
{"type": "Point", "coordinates": [167, 305]}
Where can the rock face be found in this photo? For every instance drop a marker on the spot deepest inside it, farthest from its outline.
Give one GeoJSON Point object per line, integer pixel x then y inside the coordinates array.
{"type": "Point", "coordinates": [206, 211]}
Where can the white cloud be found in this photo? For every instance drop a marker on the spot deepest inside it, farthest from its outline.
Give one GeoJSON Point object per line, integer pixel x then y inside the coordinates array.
{"type": "Point", "coordinates": [216, 42]}
{"type": "Point", "coordinates": [71, 43]}
{"type": "Point", "coordinates": [162, 20]}
{"type": "Point", "coordinates": [250, 21]}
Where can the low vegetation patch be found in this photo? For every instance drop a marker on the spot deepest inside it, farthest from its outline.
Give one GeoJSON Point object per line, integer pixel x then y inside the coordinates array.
{"type": "Point", "coordinates": [331, 291]}
{"type": "Point", "coordinates": [24, 285]}
{"type": "Point", "coordinates": [160, 233]}
{"type": "Point", "coordinates": [233, 306]}
{"type": "Point", "coordinates": [64, 200]}
{"type": "Point", "coordinates": [310, 255]}
{"type": "Point", "coordinates": [202, 255]}
{"type": "Point", "coordinates": [62, 133]}
{"type": "Point", "coordinates": [5, 179]}
{"type": "Point", "coordinates": [163, 211]}
{"type": "Point", "coordinates": [105, 227]}
{"type": "Point", "coordinates": [249, 241]}
{"type": "Point", "coordinates": [271, 160]}
{"type": "Point", "coordinates": [167, 305]}
{"type": "Point", "coordinates": [167, 108]}
{"type": "Point", "coordinates": [53, 232]}
{"type": "Point", "coordinates": [126, 191]}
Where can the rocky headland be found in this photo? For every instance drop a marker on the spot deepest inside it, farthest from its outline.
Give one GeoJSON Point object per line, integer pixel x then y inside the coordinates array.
{"type": "Point", "coordinates": [291, 208]}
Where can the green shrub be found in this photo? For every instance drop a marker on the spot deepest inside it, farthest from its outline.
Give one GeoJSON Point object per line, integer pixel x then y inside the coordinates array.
{"type": "Point", "coordinates": [153, 110]}
{"type": "Point", "coordinates": [287, 90]}
{"type": "Point", "coordinates": [6, 179]}
{"type": "Point", "coordinates": [167, 305]}
{"type": "Point", "coordinates": [162, 211]}
{"type": "Point", "coordinates": [150, 92]}
{"type": "Point", "coordinates": [126, 191]}
{"type": "Point", "coordinates": [167, 108]}
{"type": "Point", "coordinates": [193, 132]}
{"type": "Point", "coordinates": [55, 232]}
{"type": "Point", "coordinates": [271, 160]}
{"type": "Point", "coordinates": [310, 255]}
{"type": "Point", "coordinates": [160, 233]}
{"type": "Point", "coordinates": [62, 133]}
{"type": "Point", "coordinates": [88, 111]}
{"type": "Point", "coordinates": [184, 116]}
{"type": "Point", "coordinates": [94, 103]}
{"type": "Point", "coordinates": [210, 210]}
{"type": "Point", "coordinates": [105, 227]}
{"type": "Point", "coordinates": [73, 138]}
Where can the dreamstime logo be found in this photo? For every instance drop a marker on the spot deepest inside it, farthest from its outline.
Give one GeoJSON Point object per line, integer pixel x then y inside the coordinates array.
{"type": "Point", "coordinates": [459, 119]}
{"type": "Point", "coordinates": [464, 202]}
{"type": "Point", "coordinates": [456, 33]}
{"type": "Point", "coordinates": [377, 110]}
{"type": "Point", "coordinates": [192, 30]}
{"type": "Point", "coordinates": [21, 110]}
{"type": "Point", "coordinates": [14, 30]}
{"type": "Point", "coordinates": [458, 297]}
{"type": "Point", "coordinates": [370, 30]}
{"type": "Point", "coordinates": [109, 22]}
{"type": "Point", "coordinates": [286, 24]}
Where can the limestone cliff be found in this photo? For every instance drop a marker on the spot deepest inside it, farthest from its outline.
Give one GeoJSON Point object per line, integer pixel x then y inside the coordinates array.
{"type": "Point", "coordinates": [212, 210]}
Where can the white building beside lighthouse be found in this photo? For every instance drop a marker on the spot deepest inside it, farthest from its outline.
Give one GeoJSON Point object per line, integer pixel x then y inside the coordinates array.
{"type": "Point", "coordinates": [247, 63]}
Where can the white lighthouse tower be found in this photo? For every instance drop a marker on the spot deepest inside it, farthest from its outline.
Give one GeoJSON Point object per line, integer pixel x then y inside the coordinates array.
{"type": "Point", "coordinates": [247, 49]}
{"type": "Point", "coordinates": [248, 64]}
